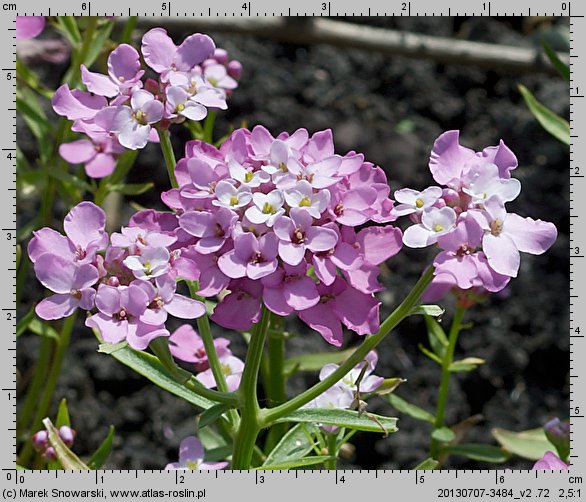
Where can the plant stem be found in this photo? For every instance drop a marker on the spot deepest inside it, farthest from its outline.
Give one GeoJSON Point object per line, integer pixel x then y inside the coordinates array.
{"type": "Point", "coordinates": [445, 380]}
{"type": "Point", "coordinates": [87, 40]}
{"type": "Point", "coordinates": [36, 385]}
{"type": "Point", "coordinates": [251, 422]}
{"type": "Point", "coordinates": [208, 128]}
{"type": "Point", "coordinates": [51, 383]}
{"type": "Point", "coordinates": [125, 37]}
{"type": "Point", "coordinates": [358, 355]}
{"type": "Point", "coordinates": [274, 378]}
{"type": "Point", "coordinates": [169, 155]}
{"type": "Point", "coordinates": [332, 441]}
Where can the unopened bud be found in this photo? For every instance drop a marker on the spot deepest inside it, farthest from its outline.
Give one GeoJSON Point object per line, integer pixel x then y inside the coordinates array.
{"type": "Point", "coordinates": [234, 69]}
{"type": "Point", "coordinates": [40, 441]}
{"type": "Point", "coordinates": [49, 454]}
{"type": "Point", "coordinates": [67, 435]}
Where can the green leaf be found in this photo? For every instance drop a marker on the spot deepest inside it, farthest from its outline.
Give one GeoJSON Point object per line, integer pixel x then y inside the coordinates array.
{"type": "Point", "coordinates": [25, 230]}
{"type": "Point", "coordinates": [531, 444]}
{"type": "Point", "coordinates": [41, 328]}
{"type": "Point", "coordinates": [343, 418]}
{"type": "Point", "coordinates": [98, 459]}
{"type": "Point", "coordinates": [99, 42]}
{"type": "Point", "coordinates": [63, 415]}
{"type": "Point", "coordinates": [467, 364]}
{"type": "Point", "coordinates": [123, 166]}
{"type": "Point", "coordinates": [388, 386]}
{"type": "Point", "coordinates": [29, 77]}
{"type": "Point", "coordinates": [295, 444]}
{"type": "Point", "coordinates": [212, 414]}
{"type": "Point", "coordinates": [427, 310]}
{"type": "Point", "coordinates": [438, 341]}
{"type": "Point", "coordinates": [218, 454]}
{"type": "Point", "coordinates": [479, 452]}
{"type": "Point", "coordinates": [315, 362]}
{"type": "Point", "coordinates": [68, 459]}
{"type": "Point", "coordinates": [33, 115]}
{"type": "Point", "coordinates": [24, 321]}
{"type": "Point", "coordinates": [110, 348]}
{"type": "Point", "coordinates": [410, 409]}
{"type": "Point", "coordinates": [151, 368]}
{"type": "Point", "coordinates": [555, 125]}
{"type": "Point", "coordinates": [131, 188]}
{"type": "Point", "coordinates": [429, 354]}
{"type": "Point", "coordinates": [562, 68]}
{"type": "Point", "coordinates": [443, 435]}
{"type": "Point", "coordinates": [293, 464]}
{"type": "Point", "coordinates": [70, 179]}
{"type": "Point", "coordinates": [211, 439]}
{"type": "Point", "coordinates": [20, 468]}
{"type": "Point", "coordinates": [429, 464]}
{"type": "Point", "coordinates": [68, 26]}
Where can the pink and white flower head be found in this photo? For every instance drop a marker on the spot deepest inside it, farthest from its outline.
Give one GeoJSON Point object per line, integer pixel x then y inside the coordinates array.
{"type": "Point", "coordinates": [481, 241]}
{"type": "Point", "coordinates": [232, 368]}
{"type": "Point", "coordinates": [185, 344]}
{"type": "Point", "coordinates": [550, 462]}
{"type": "Point", "coordinates": [191, 458]}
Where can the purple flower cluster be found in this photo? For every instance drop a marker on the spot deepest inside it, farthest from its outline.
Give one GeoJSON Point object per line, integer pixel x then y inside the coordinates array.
{"type": "Point", "coordinates": [129, 286]}
{"type": "Point", "coordinates": [272, 221]}
{"type": "Point", "coordinates": [41, 443]}
{"type": "Point", "coordinates": [120, 111]}
{"type": "Point", "coordinates": [191, 458]}
{"type": "Point", "coordinates": [479, 240]}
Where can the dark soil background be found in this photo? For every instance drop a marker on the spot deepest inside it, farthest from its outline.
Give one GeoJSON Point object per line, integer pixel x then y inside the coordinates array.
{"type": "Point", "coordinates": [391, 109]}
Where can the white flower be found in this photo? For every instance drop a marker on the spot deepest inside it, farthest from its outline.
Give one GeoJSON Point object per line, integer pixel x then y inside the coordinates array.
{"type": "Point", "coordinates": [252, 179]}
{"type": "Point", "coordinates": [153, 262]}
{"type": "Point", "coordinates": [484, 182]}
{"type": "Point", "coordinates": [267, 208]}
{"type": "Point", "coordinates": [412, 201]}
{"type": "Point", "coordinates": [434, 222]}
{"type": "Point", "coordinates": [302, 196]}
{"type": "Point", "coordinates": [230, 197]}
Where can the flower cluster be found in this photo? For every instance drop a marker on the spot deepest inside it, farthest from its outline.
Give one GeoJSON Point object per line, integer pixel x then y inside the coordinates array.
{"type": "Point", "coordinates": [272, 221]}
{"type": "Point", "coordinates": [479, 240]}
{"type": "Point", "coordinates": [129, 286]}
{"type": "Point", "coordinates": [41, 444]}
{"type": "Point", "coordinates": [185, 344]}
{"type": "Point", "coordinates": [121, 111]}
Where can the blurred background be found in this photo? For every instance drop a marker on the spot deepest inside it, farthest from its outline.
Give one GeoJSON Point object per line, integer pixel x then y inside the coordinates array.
{"type": "Point", "coordinates": [391, 108]}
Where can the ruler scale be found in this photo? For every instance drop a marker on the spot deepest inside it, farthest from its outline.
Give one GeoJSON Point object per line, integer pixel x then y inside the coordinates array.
{"type": "Point", "coordinates": [343, 485]}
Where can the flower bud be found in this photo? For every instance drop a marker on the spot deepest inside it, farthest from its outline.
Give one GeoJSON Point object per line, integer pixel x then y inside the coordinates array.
{"type": "Point", "coordinates": [234, 69]}
{"type": "Point", "coordinates": [114, 281]}
{"type": "Point", "coordinates": [49, 454]}
{"type": "Point", "coordinates": [221, 56]}
{"type": "Point", "coordinates": [67, 435]}
{"type": "Point", "coordinates": [40, 441]}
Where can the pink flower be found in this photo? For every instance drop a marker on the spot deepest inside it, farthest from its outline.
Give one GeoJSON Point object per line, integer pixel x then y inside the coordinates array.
{"type": "Point", "coordinates": [77, 105]}
{"type": "Point", "coordinates": [164, 57]}
{"type": "Point", "coordinates": [411, 201]}
{"type": "Point", "coordinates": [251, 257]}
{"type": "Point", "coordinates": [191, 458]}
{"type": "Point", "coordinates": [29, 26]}
{"type": "Point", "coordinates": [240, 309]}
{"type": "Point", "coordinates": [296, 235]}
{"type": "Point", "coordinates": [289, 288]}
{"type": "Point", "coordinates": [132, 124]}
{"type": "Point", "coordinates": [71, 282]}
{"type": "Point", "coordinates": [212, 228]}
{"type": "Point", "coordinates": [550, 462]}
{"type": "Point", "coordinates": [185, 344]}
{"type": "Point", "coordinates": [232, 367]}
{"type": "Point", "coordinates": [99, 154]}
{"type": "Point", "coordinates": [434, 223]}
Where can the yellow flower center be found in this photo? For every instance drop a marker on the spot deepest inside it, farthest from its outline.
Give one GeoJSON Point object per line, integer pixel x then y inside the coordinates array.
{"type": "Point", "coordinates": [437, 227]}
{"type": "Point", "coordinates": [192, 465]}
{"type": "Point", "coordinates": [268, 208]}
{"type": "Point", "coordinates": [233, 200]}
{"type": "Point", "coordinates": [179, 108]}
{"type": "Point", "coordinates": [496, 227]}
{"type": "Point", "coordinates": [283, 167]}
{"type": "Point", "coordinates": [419, 203]}
{"type": "Point", "coordinates": [305, 202]}
{"type": "Point", "coordinates": [248, 176]}
{"type": "Point", "coordinates": [140, 117]}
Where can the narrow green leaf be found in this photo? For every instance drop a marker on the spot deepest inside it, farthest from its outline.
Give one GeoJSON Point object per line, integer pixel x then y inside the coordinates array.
{"type": "Point", "coordinates": [218, 454]}
{"type": "Point", "coordinates": [562, 68]}
{"type": "Point", "coordinates": [555, 125]}
{"type": "Point", "coordinates": [467, 364]}
{"type": "Point", "coordinates": [70, 179]}
{"type": "Point", "coordinates": [41, 328]}
{"type": "Point", "coordinates": [151, 368]}
{"type": "Point", "coordinates": [24, 321]}
{"type": "Point", "coordinates": [531, 444]}
{"type": "Point", "coordinates": [343, 418]}
{"type": "Point", "coordinates": [33, 115]}
{"type": "Point", "coordinates": [98, 459]}
{"type": "Point", "coordinates": [212, 414]}
{"type": "Point", "coordinates": [479, 452]}
{"type": "Point", "coordinates": [315, 362]}
{"type": "Point", "coordinates": [27, 229]}
{"type": "Point", "coordinates": [68, 26]}
{"type": "Point", "coordinates": [68, 459]}
{"type": "Point", "coordinates": [410, 409]}
{"type": "Point", "coordinates": [429, 354]}
{"type": "Point", "coordinates": [293, 464]}
{"type": "Point", "coordinates": [438, 341]}
{"type": "Point", "coordinates": [131, 188]}
{"type": "Point", "coordinates": [295, 444]}
{"type": "Point", "coordinates": [443, 435]}
{"type": "Point", "coordinates": [110, 348]}
{"type": "Point", "coordinates": [20, 468]}
{"type": "Point", "coordinates": [123, 166]}
{"type": "Point", "coordinates": [63, 415]}
{"type": "Point", "coordinates": [30, 78]}
{"type": "Point", "coordinates": [211, 439]}
{"type": "Point", "coordinates": [429, 464]}
{"type": "Point", "coordinates": [428, 310]}
{"type": "Point", "coordinates": [99, 42]}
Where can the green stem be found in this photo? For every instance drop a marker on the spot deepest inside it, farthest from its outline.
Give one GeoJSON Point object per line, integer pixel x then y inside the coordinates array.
{"type": "Point", "coordinates": [36, 386]}
{"type": "Point", "coordinates": [332, 442]}
{"type": "Point", "coordinates": [51, 383]}
{"type": "Point", "coordinates": [208, 128]}
{"type": "Point", "coordinates": [169, 155]}
{"type": "Point", "coordinates": [88, 39]}
{"type": "Point", "coordinates": [125, 37]}
{"type": "Point", "coordinates": [445, 380]}
{"type": "Point", "coordinates": [251, 422]}
{"type": "Point", "coordinates": [274, 379]}
{"type": "Point", "coordinates": [358, 355]}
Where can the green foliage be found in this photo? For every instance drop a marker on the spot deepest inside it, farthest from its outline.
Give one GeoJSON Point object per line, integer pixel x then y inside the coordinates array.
{"type": "Point", "coordinates": [410, 409]}
{"type": "Point", "coordinates": [465, 365]}
{"type": "Point", "coordinates": [428, 464]}
{"type": "Point", "coordinates": [65, 456]}
{"type": "Point", "coordinates": [555, 125]}
{"type": "Point", "coordinates": [98, 459]}
{"type": "Point", "coordinates": [296, 444]}
{"type": "Point", "coordinates": [531, 444]}
{"type": "Point", "coordinates": [315, 362]}
{"type": "Point", "coordinates": [443, 435]}
{"type": "Point", "coordinates": [479, 452]}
